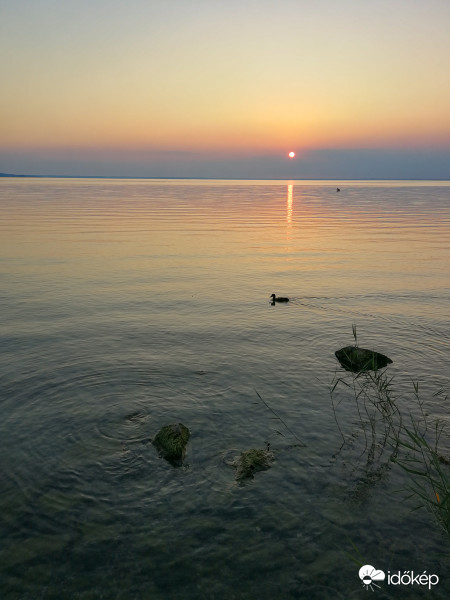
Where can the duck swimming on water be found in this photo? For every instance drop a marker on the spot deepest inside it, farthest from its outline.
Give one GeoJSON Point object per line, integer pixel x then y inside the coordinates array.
{"type": "Point", "coordinates": [278, 299]}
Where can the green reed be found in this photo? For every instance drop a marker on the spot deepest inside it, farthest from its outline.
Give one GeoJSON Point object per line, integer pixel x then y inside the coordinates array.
{"type": "Point", "coordinates": [409, 441]}
{"type": "Point", "coordinates": [376, 407]}
{"type": "Point", "coordinates": [429, 470]}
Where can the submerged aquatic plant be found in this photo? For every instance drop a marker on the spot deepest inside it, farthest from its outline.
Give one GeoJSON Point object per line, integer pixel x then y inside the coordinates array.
{"type": "Point", "coordinates": [251, 461]}
{"type": "Point", "coordinates": [377, 420]}
{"type": "Point", "coordinates": [376, 407]}
{"type": "Point", "coordinates": [171, 441]}
{"type": "Point", "coordinates": [392, 437]}
{"type": "Point", "coordinates": [278, 418]}
{"type": "Point", "coordinates": [429, 470]}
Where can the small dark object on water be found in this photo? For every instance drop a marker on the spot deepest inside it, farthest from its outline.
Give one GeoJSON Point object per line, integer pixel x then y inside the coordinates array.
{"type": "Point", "coordinates": [338, 190]}
{"type": "Point", "coordinates": [171, 441]}
{"type": "Point", "coordinates": [357, 359]}
{"type": "Point", "coordinates": [278, 299]}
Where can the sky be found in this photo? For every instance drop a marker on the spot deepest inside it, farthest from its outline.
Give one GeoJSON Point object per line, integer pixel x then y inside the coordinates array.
{"type": "Point", "coordinates": [215, 88]}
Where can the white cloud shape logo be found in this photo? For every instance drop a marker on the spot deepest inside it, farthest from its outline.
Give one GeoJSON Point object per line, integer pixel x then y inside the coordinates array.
{"type": "Point", "coordinates": [369, 575]}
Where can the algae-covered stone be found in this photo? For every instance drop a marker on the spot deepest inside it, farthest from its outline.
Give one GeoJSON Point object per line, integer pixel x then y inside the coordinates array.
{"type": "Point", "coordinates": [250, 461]}
{"type": "Point", "coordinates": [357, 359]}
{"type": "Point", "coordinates": [171, 441]}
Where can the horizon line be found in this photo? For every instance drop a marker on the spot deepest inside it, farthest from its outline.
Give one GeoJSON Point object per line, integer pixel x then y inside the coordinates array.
{"type": "Point", "coordinates": [13, 175]}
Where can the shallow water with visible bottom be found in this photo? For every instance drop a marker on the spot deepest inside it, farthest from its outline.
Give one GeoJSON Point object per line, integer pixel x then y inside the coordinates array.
{"type": "Point", "coordinates": [130, 304]}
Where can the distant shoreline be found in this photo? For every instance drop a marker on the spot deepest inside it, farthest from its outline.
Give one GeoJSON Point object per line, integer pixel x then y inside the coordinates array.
{"type": "Point", "coordinates": [10, 175]}
{"type": "Point", "coordinates": [21, 176]}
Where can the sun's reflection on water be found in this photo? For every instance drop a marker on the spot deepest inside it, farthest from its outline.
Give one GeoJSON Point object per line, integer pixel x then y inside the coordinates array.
{"type": "Point", "coordinates": [289, 208]}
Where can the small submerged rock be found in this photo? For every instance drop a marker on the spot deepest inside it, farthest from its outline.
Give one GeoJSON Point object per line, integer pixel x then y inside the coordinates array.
{"type": "Point", "coordinates": [171, 441]}
{"type": "Point", "coordinates": [250, 461]}
{"type": "Point", "coordinates": [357, 359]}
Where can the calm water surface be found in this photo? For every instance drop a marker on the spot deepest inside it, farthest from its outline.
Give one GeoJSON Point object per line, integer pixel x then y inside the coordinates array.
{"type": "Point", "coordinates": [127, 305]}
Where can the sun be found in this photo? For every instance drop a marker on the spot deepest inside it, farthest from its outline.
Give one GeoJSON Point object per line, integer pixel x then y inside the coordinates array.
{"type": "Point", "coordinates": [291, 154]}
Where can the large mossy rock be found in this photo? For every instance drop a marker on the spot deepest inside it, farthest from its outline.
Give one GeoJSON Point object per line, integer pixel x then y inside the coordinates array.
{"type": "Point", "coordinates": [171, 441]}
{"type": "Point", "coordinates": [357, 359]}
{"type": "Point", "coordinates": [250, 461]}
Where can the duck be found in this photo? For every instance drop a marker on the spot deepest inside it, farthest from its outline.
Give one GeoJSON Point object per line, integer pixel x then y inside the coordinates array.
{"type": "Point", "coordinates": [278, 298]}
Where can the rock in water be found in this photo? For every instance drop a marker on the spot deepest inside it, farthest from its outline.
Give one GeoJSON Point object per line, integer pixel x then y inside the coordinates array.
{"type": "Point", "coordinates": [171, 441]}
{"type": "Point", "coordinates": [357, 359]}
{"type": "Point", "coordinates": [250, 461]}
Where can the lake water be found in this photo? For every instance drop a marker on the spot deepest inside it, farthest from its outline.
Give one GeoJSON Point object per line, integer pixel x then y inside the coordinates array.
{"type": "Point", "coordinates": [130, 304]}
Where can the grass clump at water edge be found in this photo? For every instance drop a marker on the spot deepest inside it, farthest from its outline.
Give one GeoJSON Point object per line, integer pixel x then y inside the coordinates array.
{"type": "Point", "coordinates": [429, 470]}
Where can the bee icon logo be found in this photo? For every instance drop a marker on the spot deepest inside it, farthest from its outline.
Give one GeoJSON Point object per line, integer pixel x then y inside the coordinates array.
{"type": "Point", "coordinates": [369, 575]}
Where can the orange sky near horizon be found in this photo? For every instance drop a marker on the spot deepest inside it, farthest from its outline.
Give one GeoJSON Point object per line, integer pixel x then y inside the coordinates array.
{"type": "Point", "coordinates": [244, 77]}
